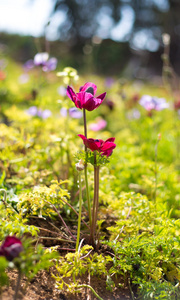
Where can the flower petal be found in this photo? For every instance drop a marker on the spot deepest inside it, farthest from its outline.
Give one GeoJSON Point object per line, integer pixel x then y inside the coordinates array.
{"type": "Point", "coordinates": [89, 87]}
{"type": "Point", "coordinates": [99, 99]}
{"type": "Point", "coordinates": [82, 137]}
{"type": "Point", "coordinates": [108, 146]}
{"type": "Point", "coordinates": [107, 152]}
{"type": "Point", "coordinates": [110, 140]}
{"type": "Point", "coordinates": [71, 94]}
{"type": "Point", "coordinates": [92, 144]}
{"type": "Point", "coordinates": [89, 103]}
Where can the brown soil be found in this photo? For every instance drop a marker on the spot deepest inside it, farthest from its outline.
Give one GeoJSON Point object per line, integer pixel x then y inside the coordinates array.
{"type": "Point", "coordinates": [43, 288]}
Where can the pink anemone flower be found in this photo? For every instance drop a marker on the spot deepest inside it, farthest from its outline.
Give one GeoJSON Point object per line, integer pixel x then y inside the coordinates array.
{"type": "Point", "coordinates": [86, 97]}
{"type": "Point", "coordinates": [105, 147]}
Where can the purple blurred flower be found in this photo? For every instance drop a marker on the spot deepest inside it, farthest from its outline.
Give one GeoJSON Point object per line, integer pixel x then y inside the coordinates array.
{"type": "Point", "coordinates": [41, 58]}
{"type": "Point", "coordinates": [133, 114]}
{"type": "Point", "coordinates": [62, 90]}
{"type": "Point", "coordinates": [34, 111]}
{"type": "Point", "coordinates": [73, 112]}
{"type": "Point", "coordinates": [109, 82]}
{"type": "Point", "coordinates": [46, 114]}
{"type": "Point", "coordinates": [11, 248]}
{"type": "Point", "coordinates": [153, 103]}
{"type": "Point", "coordinates": [50, 65]}
{"type": "Point", "coordinates": [99, 125]}
{"type": "Point", "coordinates": [29, 65]}
{"type": "Point", "coordinates": [23, 78]}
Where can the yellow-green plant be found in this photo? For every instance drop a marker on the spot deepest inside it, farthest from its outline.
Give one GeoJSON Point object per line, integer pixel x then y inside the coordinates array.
{"type": "Point", "coordinates": [74, 265]}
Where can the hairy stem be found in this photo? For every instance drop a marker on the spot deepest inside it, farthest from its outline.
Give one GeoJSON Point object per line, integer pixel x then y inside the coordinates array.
{"type": "Point", "coordinates": [97, 195]}
{"type": "Point", "coordinates": [95, 202]}
{"type": "Point", "coordinates": [85, 170]}
{"type": "Point", "coordinates": [17, 285]}
{"type": "Point", "coordinates": [80, 208]}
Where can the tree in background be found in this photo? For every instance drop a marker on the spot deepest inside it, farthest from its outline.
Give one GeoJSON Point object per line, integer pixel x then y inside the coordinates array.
{"type": "Point", "coordinates": [149, 19]}
{"type": "Point", "coordinates": [146, 21]}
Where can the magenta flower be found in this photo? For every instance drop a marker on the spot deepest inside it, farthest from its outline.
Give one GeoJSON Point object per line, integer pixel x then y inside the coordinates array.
{"type": "Point", "coordinates": [105, 147]}
{"type": "Point", "coordinates": [86, 97]}
{"type": "Point", "coordinates": [11, 248]}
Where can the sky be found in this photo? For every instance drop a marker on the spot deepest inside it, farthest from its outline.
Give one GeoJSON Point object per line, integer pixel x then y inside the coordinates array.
{"type": "Point", "coordinates": [30, 17]}
{"type": "Point", "coordinates": [27, 17]}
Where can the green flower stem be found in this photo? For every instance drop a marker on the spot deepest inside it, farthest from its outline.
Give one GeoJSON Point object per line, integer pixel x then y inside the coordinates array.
{"type": "Point", "coordinates": [85, 170]}
{"type": "Point", "coordinates": [17, 285]}
{"type": "Point", "coordinates": [95, 201]}
{"type": "Point", "coordinates": [156, 170]}
{"type": "Point", "coordinates": [85, 124]}
{"type": "Point", "coordinates": [80, 209]}
{"type": "Point", "coordinates": [90, 287]}
{"type": "Point", "coordinates": [87, 193]}
{"type": "Point", "coordinates": [97, 196]}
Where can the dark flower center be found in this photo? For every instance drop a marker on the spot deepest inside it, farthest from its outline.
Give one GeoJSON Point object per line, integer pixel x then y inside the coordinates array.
{"type": "Point", "coordinates": [90, 90]}
{"type": "Point", "coordinates": [96, 140]}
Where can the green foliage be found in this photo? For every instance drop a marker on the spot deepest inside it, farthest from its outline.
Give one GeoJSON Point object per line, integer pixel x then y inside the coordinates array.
{"type": "Point", "coordinates": [33, 259]}
{"type": "Point", "coordinates": [159, 290]}
{"type": "Point", "coordinates": [89, 158]}
{"type": "Point", "coordinates": [40, 199]}
{"type": "Point", "coordinates": [74, 265]}
{"type": "Point", "coordinates": [3, 275]}
{"type": "Point", "coordinates": [12, 223]}
{"type": "Point", "coordinates": [139, 205]}
{"type": "Point", "coordinates": [146, 247]}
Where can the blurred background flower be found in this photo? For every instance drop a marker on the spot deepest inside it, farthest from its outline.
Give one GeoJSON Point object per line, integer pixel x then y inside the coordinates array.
{"type": "Point", "coordinates": [153, 103]}
{"type": "Point", "coordinates": [98, 125]}
{"type": "Point", "coordinates": [73, 112]}
{"type": "Point", "coordinates": [35, 111]}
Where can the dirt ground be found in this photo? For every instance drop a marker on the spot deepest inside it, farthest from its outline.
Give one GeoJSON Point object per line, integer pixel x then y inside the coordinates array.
{"type": "Point", "coordinates": [43, 288]}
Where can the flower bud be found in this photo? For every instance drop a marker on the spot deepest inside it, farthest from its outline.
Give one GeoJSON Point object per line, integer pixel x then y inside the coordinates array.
{"type": "Point", "coordinates": [80, 165]}
{"type": "Point", "coordinates": [11, 248]}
